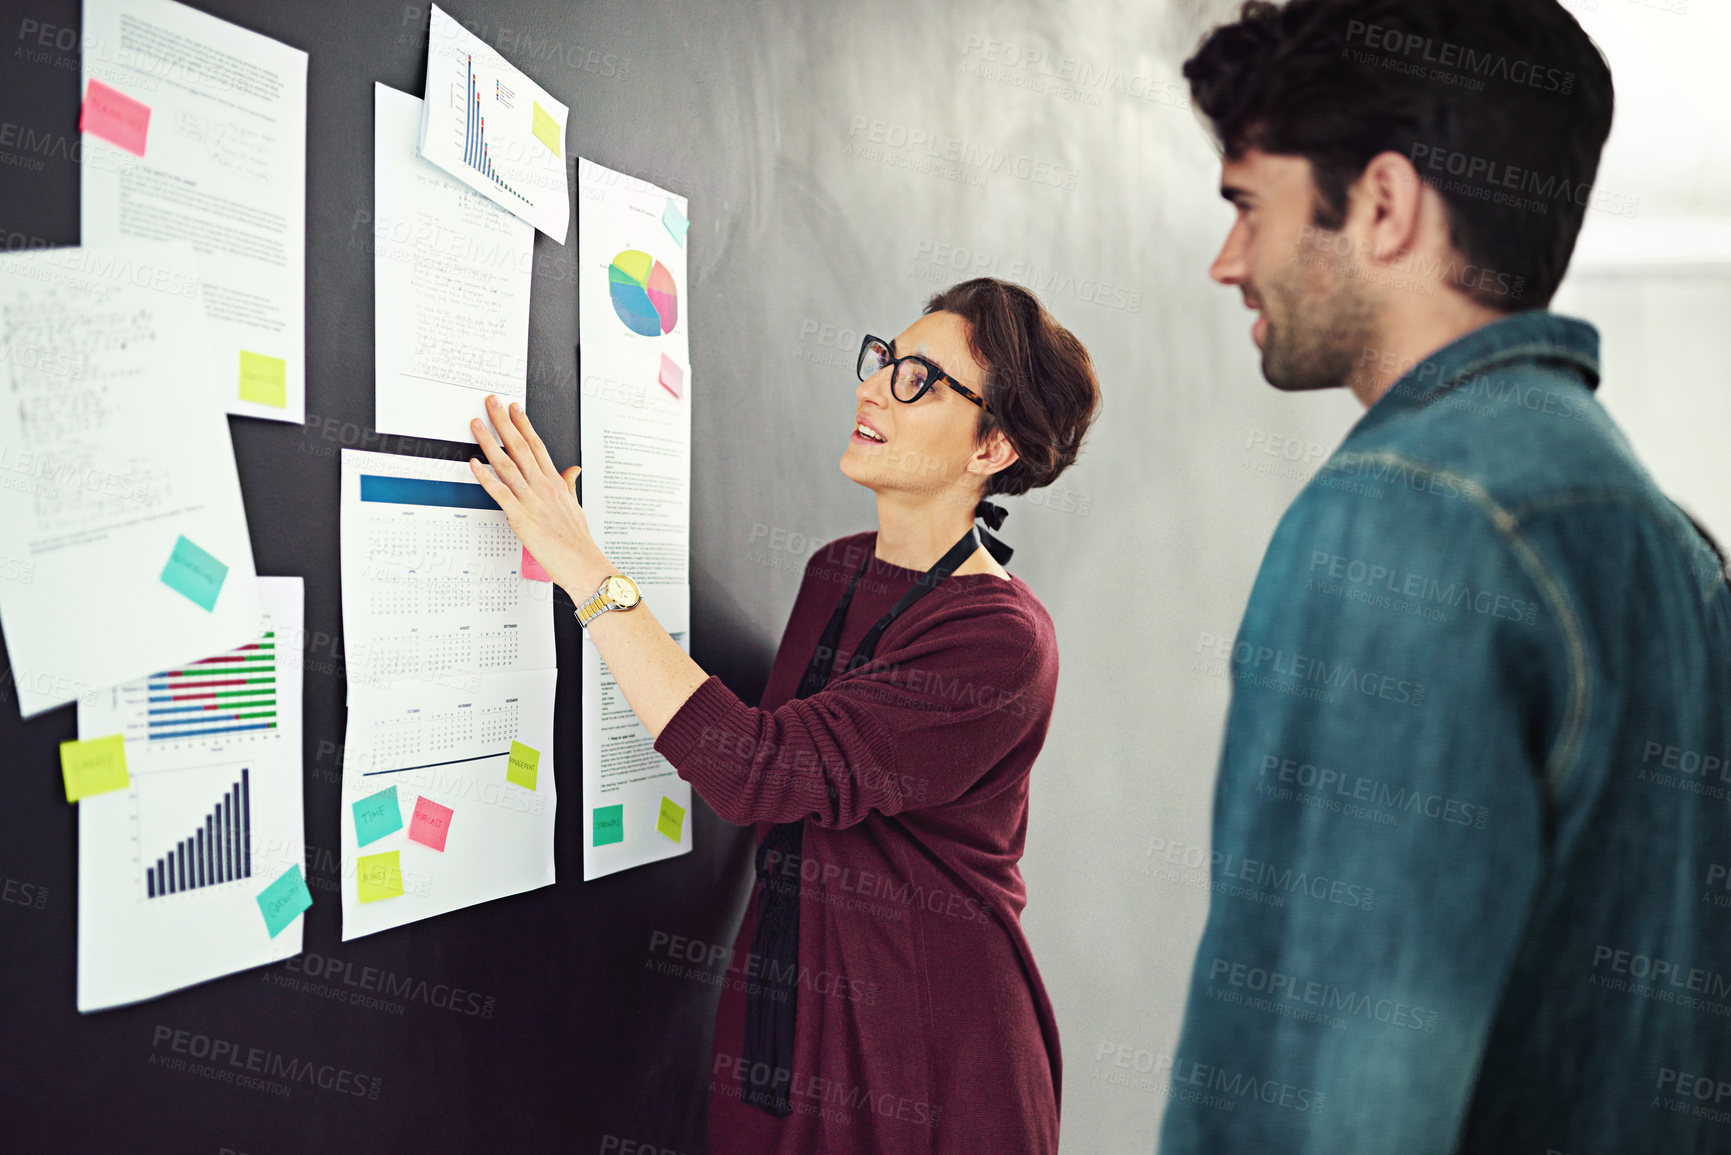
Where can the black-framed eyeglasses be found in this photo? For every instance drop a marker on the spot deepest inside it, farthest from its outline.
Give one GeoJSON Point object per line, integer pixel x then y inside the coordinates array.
{"type": "Point", "coordinates": [913, 374]}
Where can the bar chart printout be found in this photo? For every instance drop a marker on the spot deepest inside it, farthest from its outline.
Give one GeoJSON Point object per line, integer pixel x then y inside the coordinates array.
{"type": "Point", "coordinates": [223, 695]}
{"type": "Point", "coordinates": [170, 869]}
{"type": "Point", "coordinates": [220, 851]}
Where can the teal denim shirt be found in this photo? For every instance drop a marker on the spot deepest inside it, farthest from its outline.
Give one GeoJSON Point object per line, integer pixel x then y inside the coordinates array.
{"type": "Point", "coordinates": [1471, 833]}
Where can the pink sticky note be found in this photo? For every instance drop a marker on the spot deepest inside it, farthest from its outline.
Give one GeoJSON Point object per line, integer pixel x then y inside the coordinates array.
{"type": "Point", "coordinates": [531, 568]}
{"type": "Point", "coordinates": [115, 117]}
{"type": "Point", "coordinates": [672, 376]}
{"type": "Point", "coordinates": [430, 824]}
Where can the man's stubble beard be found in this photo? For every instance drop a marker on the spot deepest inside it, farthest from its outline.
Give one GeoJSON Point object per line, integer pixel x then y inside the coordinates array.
{"type": "Point", "coordinates": [1329, 320]}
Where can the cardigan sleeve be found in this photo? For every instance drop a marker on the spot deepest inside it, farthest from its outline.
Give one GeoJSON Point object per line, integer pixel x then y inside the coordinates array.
{"type": "Point", "coordinates": [961, 685]}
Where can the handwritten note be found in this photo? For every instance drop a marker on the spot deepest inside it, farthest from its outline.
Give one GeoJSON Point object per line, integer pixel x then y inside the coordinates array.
{"type": "Point", "coordinates": [115, 117]}
{"type": "Point", "coordinates": [524, 767]}
{"type": "Point", "coordinates": [430, 824]}
{"type": "Point", "coordinates": [609, 825]}
{"type": "Point", "coordinates": [93, 766]}
{"type": "Point", "coordinates": [283, 900]}
{"type": "Point", "coordinates": [379, 876]}
{"type": "Point", "coordinates": [194, 573]}
{"type": "Point", "coordinates": [671, 821]}
{"type": "Point", "coordinates": [376, 816]}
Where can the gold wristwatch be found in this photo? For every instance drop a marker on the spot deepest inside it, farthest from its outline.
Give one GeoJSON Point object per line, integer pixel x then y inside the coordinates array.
{"type": "Point", "coordinates": [618, 592]}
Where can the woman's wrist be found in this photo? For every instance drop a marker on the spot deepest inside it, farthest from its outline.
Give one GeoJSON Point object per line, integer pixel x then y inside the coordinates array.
{"type": "Point", "coordinates": [586, 576]}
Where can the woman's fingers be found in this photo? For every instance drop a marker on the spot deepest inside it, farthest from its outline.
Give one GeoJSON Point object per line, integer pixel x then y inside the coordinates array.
{"type": "Point", "coordinates": [521, 455]}
{"type": "Point", "coordinates": [500, 460]}
{"type": "Point", "coordinates": [520, 419]}
{"type": "Point", "coordinates": [496, 489]}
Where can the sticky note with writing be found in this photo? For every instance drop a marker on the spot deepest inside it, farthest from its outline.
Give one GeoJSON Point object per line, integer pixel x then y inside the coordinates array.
{"type": "Point", "coordinates": [379, 876]}
{"type": "Point", "coordinates": [524, 767]}
{"type": "Point", "coordinates": [609, 825]}
{"type": "Point", "coordinates": [194, 573]}
{"type": "Point", "coordinates": [283, 900]}
{"type": "Point", "coordinates": [376, 816]}
{"type": "Point", "coordinates": [264, 379]}
{"type": "Point", "coordinates": [115, 117]}
{"type": "Point", "coordinates": [671, 820]}
{"type": "Point", "coordinates": [430, 823]}
{"type": "Point", "coordinates": [93, 766]}
{"type": "Point", "coordinates": [675, 221]}
{"type": "Point", "coordinates": [546, 129]}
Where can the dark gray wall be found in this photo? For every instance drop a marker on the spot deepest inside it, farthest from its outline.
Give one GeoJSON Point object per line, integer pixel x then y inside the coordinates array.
{"type": "Point", "coordinates": [581, 1043]}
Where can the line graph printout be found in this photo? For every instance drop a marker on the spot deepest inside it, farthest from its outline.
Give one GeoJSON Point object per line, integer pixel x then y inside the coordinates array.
{"type": "Point", "coordinates": [220, 163]}
{"type": "Point", "coordinates": [170, 869]}
{"type": "Point", "coordinates": [494, 129]}
{"type": "Point", "coordinates": [451, 274]}
{"type": "Point", "coordinates": [452, 672]}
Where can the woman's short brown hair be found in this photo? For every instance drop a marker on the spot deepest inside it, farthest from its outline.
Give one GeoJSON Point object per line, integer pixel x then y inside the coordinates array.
{"type": "Point", "coordinates": [1039, 379]}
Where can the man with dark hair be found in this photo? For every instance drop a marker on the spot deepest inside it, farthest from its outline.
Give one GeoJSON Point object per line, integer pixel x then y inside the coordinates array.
{"type": "Point", "coordinates": [1471, 833]}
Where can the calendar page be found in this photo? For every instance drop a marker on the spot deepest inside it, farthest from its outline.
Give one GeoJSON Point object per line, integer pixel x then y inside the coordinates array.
{"type": "Point", "coordinates": [448, 791]}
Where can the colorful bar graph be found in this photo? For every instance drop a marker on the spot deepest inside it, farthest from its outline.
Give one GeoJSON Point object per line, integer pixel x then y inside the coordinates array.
{"type": "Point", "coordinates": [218, 851]}
{"type": "Point", "coordinates": [221, 695]}
{"type": "Point", "coordinates": [475, 153]}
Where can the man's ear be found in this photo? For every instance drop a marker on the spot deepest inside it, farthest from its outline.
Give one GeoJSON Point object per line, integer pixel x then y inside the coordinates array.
{"type": "Point", "coordinates": [1390, 195]}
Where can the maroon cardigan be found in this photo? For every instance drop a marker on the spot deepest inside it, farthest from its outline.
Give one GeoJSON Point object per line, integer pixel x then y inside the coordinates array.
{"type": "Point", "coordinates": [922, 1024]}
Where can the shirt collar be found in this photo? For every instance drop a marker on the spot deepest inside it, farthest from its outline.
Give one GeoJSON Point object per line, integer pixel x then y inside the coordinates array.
{"type": "Point", "coordinates": [1535, 335]}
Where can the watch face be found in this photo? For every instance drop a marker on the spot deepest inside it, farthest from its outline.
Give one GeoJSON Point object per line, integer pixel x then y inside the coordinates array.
{"type": "Point", "coordinates": [622, 591]}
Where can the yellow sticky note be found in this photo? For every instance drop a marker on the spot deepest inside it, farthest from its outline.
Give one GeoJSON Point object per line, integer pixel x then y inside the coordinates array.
{"type": "Point", "coordinates": [263, 379]}
{"type": "Point", "coordinates": [379, 876]}
{"type": "Point", "coordinates": [524, 767]}
{"type": "Point", "coordinates": [547, 129]}
{"type": "Point", "coordinates": [671, 820]}
{"type": "Point", "coordinates": [94, 766]}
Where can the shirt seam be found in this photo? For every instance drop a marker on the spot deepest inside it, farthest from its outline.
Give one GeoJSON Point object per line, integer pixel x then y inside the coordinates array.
{"type": "Point", "coordinates": [1564, 752]}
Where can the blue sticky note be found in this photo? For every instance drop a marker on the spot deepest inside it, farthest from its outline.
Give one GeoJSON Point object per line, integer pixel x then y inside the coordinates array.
{"type": "Point", "coordinates": [376, 816]}
{"type": "Point", "coordinates": [675, 221]}
{"type": "Point", "coordinates": [283, 900]}
{"type": "Point", "coordinates": [193, 572]}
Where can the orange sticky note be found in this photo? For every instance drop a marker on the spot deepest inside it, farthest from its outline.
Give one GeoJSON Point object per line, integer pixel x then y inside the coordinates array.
{"type": "Point", "coordinates": [115, 117]}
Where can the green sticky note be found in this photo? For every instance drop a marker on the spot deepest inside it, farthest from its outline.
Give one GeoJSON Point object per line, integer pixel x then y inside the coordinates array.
{"type": "Point", "coordinates": [609, 824]}
{"type": "Point", "coordinates": [547, 129]}
{"type": "Point", "coordinates": [93, 766]}
{"type": "Point", "coordinates": [379, 876]}
{"type": "Point", "coordinates": [376, 816]}
{"type": "Point", "coordinates": [524, 767]}
{"type": "Point", "coordinates": [264, 379]}
{"type": "Point", "coordinates": [193, 572]}
{"type": "Point", "coordinates": [283, 900]}
{"type": "Point", "coordinates": [671, 821]}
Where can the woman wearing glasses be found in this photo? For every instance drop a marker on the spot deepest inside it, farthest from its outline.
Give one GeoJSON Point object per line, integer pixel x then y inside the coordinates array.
{"type": "Point", "coordinates": [890, 1002]}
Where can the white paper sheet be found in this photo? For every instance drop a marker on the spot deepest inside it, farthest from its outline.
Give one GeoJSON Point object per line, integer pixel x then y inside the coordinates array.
{"type": "Point", "coordinates": [113, 446]}
{"type": "Point", "coordinates": [494, 129]}
{"type": "Point", "coordinates": [451, 274]}
{"type": "Point", "coordinates": [192, 756]}
{"type": "Point", "coordinates": [450, 659]}
{"type": "Point", "coordinates": [635, 437]}
{"type": "Point", "coordinates": [224, 168]}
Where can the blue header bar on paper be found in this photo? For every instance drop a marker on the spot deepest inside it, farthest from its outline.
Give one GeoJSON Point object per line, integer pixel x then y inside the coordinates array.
{"type": "Point", "coordinates": [421, 491]}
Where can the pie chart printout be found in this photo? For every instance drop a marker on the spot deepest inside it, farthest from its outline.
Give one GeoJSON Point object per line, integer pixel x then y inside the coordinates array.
{"type": "Point", "coordinates": [644, 295]}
